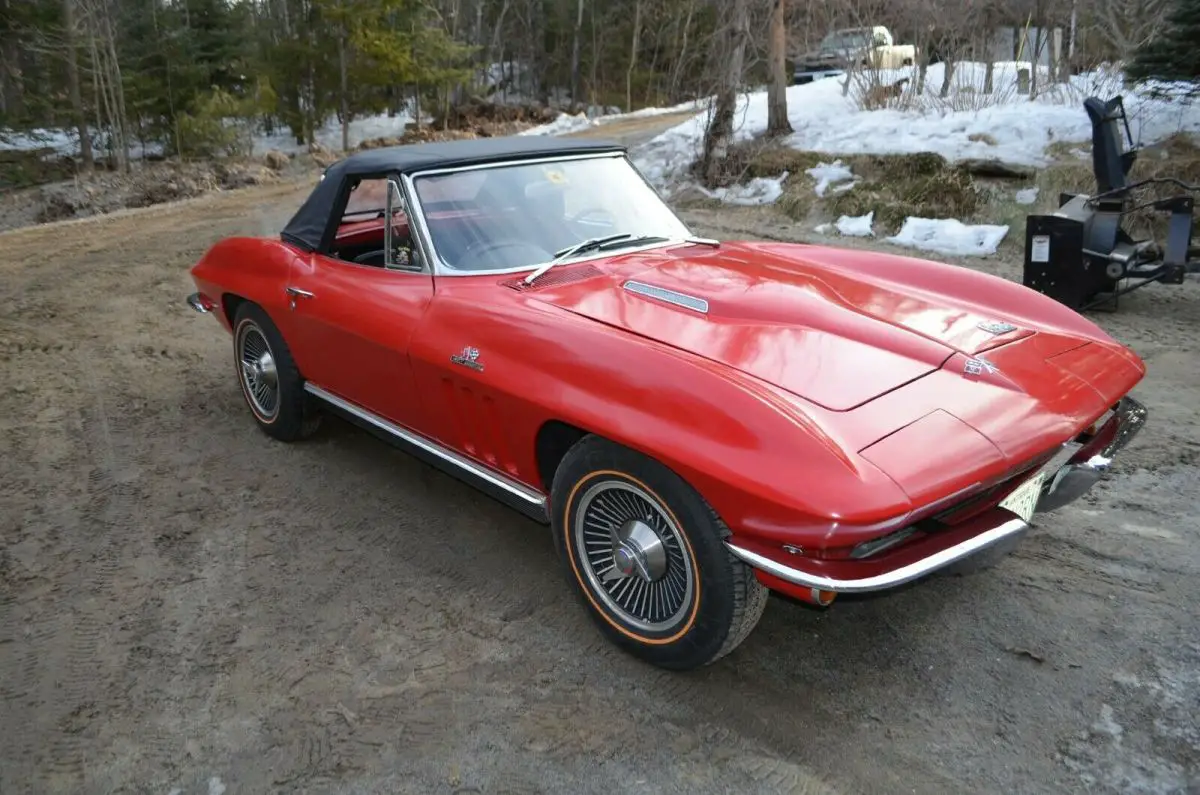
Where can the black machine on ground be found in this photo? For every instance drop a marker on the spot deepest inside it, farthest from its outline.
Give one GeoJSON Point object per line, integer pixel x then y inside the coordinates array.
{"type": "Point", "coordinates": [1080, 254]}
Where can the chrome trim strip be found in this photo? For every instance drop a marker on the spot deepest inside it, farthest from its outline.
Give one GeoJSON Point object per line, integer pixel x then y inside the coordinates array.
{"type": "Point", "coordinates": [507, 485]}
{"type": "Point", "coordinates": [439, 266]}
{"type": "Point", "coordinates": [667, 296]}
{"type": "Point", "coordinates": [889, 579]}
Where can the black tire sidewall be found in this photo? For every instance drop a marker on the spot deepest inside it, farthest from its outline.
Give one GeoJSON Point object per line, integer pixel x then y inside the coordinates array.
{"type": "Point", "coordinates": [706, 627]}
{"type": "Point", "coordinates": [290, 420]}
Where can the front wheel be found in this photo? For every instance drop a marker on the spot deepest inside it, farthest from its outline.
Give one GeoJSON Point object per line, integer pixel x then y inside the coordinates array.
{"type": "Point", "coordinates": [646, 554]}
{"type": "Point", "coordinates": [270, 381]}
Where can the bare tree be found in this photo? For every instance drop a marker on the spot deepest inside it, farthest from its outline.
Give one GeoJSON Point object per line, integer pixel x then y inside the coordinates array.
{"type": "Point", "coordinates": [777, 113]}
{"type": "Point", "coordinates": [731, 62]}
{"type": "Point", "coordinates": [85, 139]}
{"type": "Point", "coordinates": [1125, 25]}
{"type": "Point", "coordinates": [633, 54]}
{"type": "Point", "coordinates": [575, 47]}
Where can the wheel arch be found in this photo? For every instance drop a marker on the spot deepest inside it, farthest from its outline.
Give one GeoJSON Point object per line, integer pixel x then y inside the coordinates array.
{"type": "Point", "coordinates": [240, 269]}
{"type": "Point", "coordinates": [550, 445]}
{"type": "Point", "coordinates": [230, 304]}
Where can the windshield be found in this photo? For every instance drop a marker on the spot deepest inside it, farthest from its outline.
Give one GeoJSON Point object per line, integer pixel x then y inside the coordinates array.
{"type": "Point", "coordinates": [517, 216]}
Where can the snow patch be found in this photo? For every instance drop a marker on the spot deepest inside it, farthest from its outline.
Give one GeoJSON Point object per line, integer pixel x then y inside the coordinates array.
{"type": "Point", "coordinates": [950, 237]}
{"type": "Point", "coordinates": [827, 174]}
{"type": "Point", "coordinates": [1027, 195]}
{"type": "Point", "coordinates": [758, 191]}
{"type": "Point", "coordinates": [856, 227]}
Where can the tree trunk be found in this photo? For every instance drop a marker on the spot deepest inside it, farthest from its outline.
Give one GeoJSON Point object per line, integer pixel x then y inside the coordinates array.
{"type": "Point", "coordinates": [344, 87]}
{"type": "Point", "coordinates": [989, 77]}
{"type": "Point", "coordinates": [119, 118]}
{"type": "Point", "coordinates": [777, 114]}
{"type": "Point", "coordinates": [947, 78]}
{"type": "Point", "coordinates": [575, 47]}
{"type": "Point", "coordinates": [633, 54]}
{"type": "Point", "coordinates": [682, 56]}
{"type": "Point", "coordinates": [12, 84]}
{"type": "Point", "coordinates": [719, 136]}
{"type": "Point", "coordinates": [1033, 62]}
{"type": "Point", "coordinates": [85, 140]}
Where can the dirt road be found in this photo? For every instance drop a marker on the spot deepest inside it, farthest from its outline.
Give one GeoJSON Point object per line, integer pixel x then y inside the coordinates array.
{"type": "Point", "coordinates": [188, 607]}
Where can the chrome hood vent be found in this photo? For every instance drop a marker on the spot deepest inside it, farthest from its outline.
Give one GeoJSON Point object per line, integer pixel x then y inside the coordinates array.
{"type": "Point", "coordinates": [667, 296]}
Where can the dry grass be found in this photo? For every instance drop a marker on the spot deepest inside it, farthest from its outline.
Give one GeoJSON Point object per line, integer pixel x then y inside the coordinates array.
{"type": "Point", "coordinates": [925, 185]}
{"type": "Point", "coordinates": [1177, 157]}
{"type": "Point", "coordinates": [892, 186]}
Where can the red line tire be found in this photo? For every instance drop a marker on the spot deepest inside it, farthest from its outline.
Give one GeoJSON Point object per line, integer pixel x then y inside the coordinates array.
{"type": "Point", "coordinates": [270, 381]}
{"type": "Point", "coordinates": [645, 554]}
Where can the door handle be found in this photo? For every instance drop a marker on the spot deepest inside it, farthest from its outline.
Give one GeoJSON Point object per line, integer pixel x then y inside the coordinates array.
{"type": "Point", "coordinates": [294, 293]}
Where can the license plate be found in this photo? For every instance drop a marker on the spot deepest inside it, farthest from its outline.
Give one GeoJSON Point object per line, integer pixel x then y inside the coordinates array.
{"type": "Point", "coordinates": [1024, 500]}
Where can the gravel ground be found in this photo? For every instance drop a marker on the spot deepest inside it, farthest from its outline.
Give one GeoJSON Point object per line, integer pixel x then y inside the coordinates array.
{"type": "Point", "coordinates": [188, 607]}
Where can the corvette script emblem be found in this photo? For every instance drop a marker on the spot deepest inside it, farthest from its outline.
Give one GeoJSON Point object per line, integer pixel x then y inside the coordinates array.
{"type": "Point", "coordinates": [979, 367]}
{"type": "Point", "coordinates": [997, 327]}
{"type": "Point", "coordinates": [468, 358]}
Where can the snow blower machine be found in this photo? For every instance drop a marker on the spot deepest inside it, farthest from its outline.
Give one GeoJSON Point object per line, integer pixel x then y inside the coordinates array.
{"type": "Point", "coordinates": [1080, 255]}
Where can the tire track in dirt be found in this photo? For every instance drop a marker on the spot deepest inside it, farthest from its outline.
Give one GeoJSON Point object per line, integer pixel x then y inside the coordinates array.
{"type": "Point", "coordinates": [106, 518]}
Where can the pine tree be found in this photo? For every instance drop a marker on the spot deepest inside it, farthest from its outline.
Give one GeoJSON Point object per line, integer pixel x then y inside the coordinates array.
{"type": "Point", "coordinates": [1172, 56]}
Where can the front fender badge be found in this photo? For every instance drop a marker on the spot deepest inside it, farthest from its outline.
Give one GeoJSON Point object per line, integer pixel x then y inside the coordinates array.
{"type": "Point", "coordinates": [468, 358]}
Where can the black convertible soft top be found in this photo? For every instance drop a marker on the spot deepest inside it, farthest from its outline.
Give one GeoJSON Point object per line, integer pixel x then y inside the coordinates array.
{"type": "Point", "coordinates": [308, 227]}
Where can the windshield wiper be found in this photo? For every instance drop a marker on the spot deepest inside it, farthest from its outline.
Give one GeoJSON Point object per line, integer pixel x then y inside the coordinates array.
{"type": "Point", "coordinates": [578, 248]}
{"type": "Point", "coordinates": [595, 243]}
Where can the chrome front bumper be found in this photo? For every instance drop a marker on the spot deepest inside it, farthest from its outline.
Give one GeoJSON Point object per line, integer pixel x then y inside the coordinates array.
{"type": "Point", "coordinates": [195, 302]}
{"type": "Point", "coordinates": [992, 534]}
{"type": "Point", "coordinates": [1077, 467]}
{"type": "Point", "coordinates": [1083, 467]}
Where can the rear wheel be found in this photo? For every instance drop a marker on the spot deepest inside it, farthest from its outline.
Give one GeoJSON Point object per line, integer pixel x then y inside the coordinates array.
{"type": "Point", "coordinates": [646, 554]}
{"type": "Point", "coordinates": [271, 383]}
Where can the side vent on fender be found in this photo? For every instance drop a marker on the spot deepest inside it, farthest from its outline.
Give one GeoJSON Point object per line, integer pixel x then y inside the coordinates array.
{"type": "Point", "coordinates": [555, 277]}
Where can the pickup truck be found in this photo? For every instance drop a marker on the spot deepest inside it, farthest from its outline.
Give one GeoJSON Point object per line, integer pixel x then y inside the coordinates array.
{"type": "Point", "coordinates": [871, 47]}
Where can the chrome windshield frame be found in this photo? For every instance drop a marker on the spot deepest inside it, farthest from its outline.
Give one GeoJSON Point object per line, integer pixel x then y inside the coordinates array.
{"type": "Point", "coordinates": [440, 268]}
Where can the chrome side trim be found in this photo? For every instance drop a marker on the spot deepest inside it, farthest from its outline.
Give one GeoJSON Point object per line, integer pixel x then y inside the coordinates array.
{"type": "Point", "coordinates": [1074, 479]}
{"type": "Point", "coordinates": [667, 296]}
{"type": "Point", "coordinates": [889, 579]}
{"type": "Point", "coordinates": [521, 497]}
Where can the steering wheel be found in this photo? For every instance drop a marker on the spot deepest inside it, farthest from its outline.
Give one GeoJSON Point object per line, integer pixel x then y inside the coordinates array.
{"type": "Point", "coordinates": [481, 251]}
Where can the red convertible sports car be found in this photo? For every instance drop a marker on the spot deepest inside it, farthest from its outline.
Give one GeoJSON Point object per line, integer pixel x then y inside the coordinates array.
{"type": "Point", "coordinates": [700, 422]}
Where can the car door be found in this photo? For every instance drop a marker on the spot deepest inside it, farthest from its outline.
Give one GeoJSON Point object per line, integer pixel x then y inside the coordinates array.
{"type": "Point", "coordinates": [353, 323]}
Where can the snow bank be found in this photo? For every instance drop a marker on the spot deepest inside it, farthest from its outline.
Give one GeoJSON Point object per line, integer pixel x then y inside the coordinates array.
{"type": "Point", "coordinates": [329, 134]}
{"type": "Point", "coordinates": [565, 123]}
{"type": "Point", "coordinates": [1002, 125]}
{"type": "Point", "coordinates": [950, 237]}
